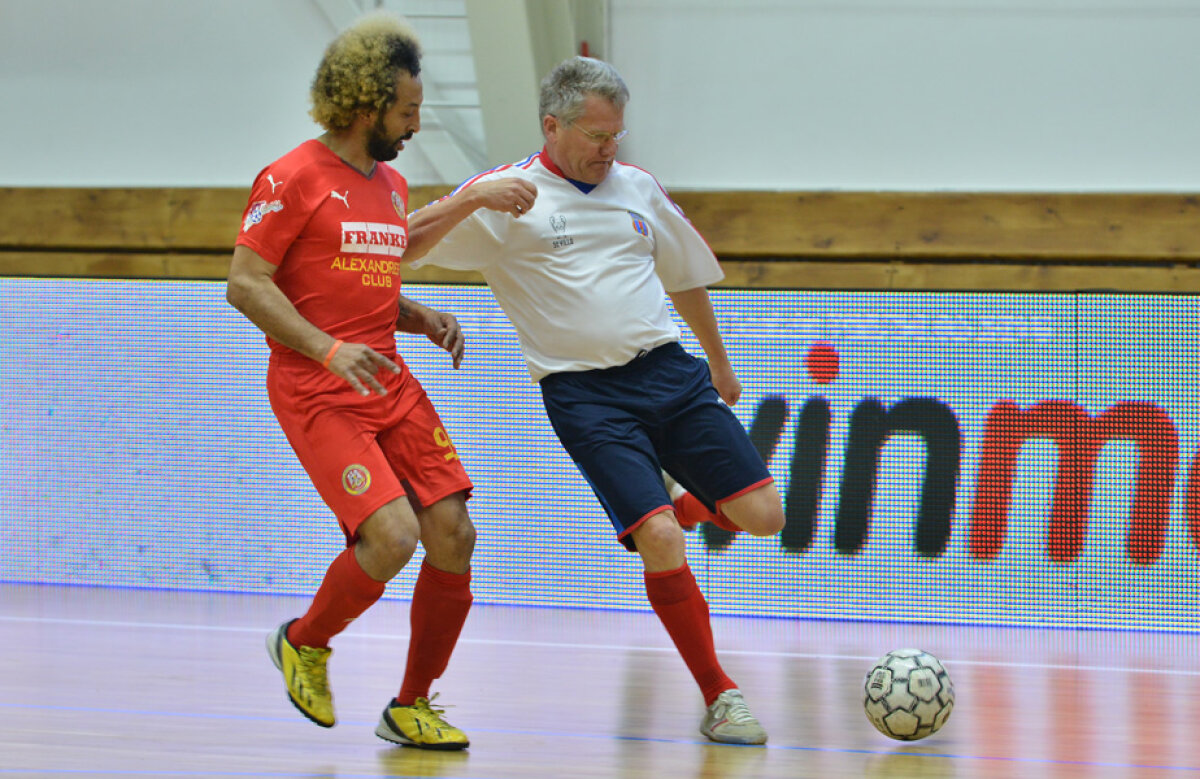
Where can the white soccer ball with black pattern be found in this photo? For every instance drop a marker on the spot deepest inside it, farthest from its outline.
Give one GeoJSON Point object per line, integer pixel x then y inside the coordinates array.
{"type": "Point", "coordinates": [908, 695]}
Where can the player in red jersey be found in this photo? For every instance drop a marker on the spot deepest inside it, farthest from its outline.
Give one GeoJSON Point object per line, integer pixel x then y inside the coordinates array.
{"type": "Point", "coordinates": [316, 268]}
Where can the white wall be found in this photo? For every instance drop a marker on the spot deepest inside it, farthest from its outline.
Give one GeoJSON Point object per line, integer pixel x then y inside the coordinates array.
{"type": "Point", "coordinates": [152, 92]}
{"type": "Point", "coordinates": [914, 94]}
{"type": "Point", "coordinates": [787, 94]}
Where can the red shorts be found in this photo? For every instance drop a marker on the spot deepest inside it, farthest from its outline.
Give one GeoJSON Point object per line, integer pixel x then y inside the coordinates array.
{"type": "Point", "coordinates": [363, 452]}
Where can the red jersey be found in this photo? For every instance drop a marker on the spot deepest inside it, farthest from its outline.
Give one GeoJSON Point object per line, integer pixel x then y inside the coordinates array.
{"type": "Point", "coordinates": [337, 237]}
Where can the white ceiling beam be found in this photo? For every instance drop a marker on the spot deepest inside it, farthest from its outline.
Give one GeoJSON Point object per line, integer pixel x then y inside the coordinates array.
{"type": "Point", "coordinates": [515, 43]}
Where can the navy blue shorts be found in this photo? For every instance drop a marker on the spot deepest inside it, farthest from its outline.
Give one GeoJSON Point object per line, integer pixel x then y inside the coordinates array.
{"type": "Point", "coordinates": [659, 411]}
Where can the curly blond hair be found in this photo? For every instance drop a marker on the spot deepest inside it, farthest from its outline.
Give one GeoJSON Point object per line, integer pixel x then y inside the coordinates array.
{"type": "Point", "coordinates": [359, 70]}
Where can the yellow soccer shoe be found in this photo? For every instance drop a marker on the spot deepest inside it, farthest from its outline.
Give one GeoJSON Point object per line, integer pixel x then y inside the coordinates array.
{"type": "Point", "coordinates": [419, 725]}
{"type": "Point", "coordinates": [304, 673]}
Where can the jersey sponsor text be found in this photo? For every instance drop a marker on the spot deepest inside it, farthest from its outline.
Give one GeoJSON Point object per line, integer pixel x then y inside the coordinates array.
{"type": "Point", "coordinates": [374, 238]}
{"type": "Point", "coordinates": [375, 273]}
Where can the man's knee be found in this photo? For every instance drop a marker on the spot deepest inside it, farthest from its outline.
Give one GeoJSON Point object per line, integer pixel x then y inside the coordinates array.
{"type": "Point", "coordinates": [758, 512]}
{"type": "Point", "coordinates": [660, 542]}
{"type": "Point", "coordinates": [447, 533]}
{"type": "Point", "coordinates": [387, 540]}
{"type": "Point", "coordinates": [459, 535]}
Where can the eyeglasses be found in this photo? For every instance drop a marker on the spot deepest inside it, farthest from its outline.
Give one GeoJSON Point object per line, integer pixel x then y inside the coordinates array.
{"type": "Point", "coordinates": [601, 138]}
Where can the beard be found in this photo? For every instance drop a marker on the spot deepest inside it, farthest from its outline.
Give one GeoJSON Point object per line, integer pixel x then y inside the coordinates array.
{"type": "Point", "coordinates": [380, 147]}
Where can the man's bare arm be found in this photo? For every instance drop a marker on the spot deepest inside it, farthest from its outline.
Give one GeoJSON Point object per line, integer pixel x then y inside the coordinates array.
{"type": "Point", "coordinates": [440, 327]}
{"type": "Point", "coordinates": [695, 307]}
{"type": "Point", "coordinates": [428, 225]}
{"type": "Point", "coordinates": [251, 289]}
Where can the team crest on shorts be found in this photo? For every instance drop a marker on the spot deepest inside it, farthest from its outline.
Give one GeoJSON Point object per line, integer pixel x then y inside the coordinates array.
{"type": "Point", "coordinates": [398, 203]}
{"type": "Point", "coordinates": [356, 479]}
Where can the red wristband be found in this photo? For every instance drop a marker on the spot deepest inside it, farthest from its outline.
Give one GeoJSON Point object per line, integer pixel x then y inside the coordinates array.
{"type": "Point", "coordinates": [332, 351]}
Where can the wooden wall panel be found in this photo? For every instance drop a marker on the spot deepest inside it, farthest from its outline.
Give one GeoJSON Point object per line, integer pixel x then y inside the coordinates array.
{"type": "Point", "coordinates": [157, 265]}
{"type": "Point", "coordinates": [188, 219]}
{"type": "Point", "coordinates": [923, 224]}
{"type": "Point", "coordinates": [743, 274]}
{"type": "Point", "coordinates": [810, 240]}
{"type": "Point", "coordinates": [962, 276]}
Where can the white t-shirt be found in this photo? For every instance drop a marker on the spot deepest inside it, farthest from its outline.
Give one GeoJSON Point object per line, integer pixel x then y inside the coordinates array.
{"type": "Point", "coordinates": [582, 277]}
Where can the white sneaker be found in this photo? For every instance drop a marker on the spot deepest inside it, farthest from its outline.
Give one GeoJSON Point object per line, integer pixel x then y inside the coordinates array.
{"type": "Point", "coordinates": [729, 721]}
{"type": "Point", "coordinates": [674, 489]}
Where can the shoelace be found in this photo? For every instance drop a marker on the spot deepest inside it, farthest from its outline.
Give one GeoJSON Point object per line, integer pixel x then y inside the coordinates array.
{"type": "Point", "coordinates": [312, 665]}
{"type": "Point", "coordinates": [436, 711]}
{"type": "Point", "coordinates": [738, 712]}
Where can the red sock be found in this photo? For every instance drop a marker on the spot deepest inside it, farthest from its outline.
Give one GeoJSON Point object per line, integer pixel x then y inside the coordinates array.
{"type": "Point", "coordinates": [691, 512]}
{"type": "Point", "coordinates": [345, 593]}
{"type": "Point", "coordinates": [440, 604]}
{"type": "Point", "coordinates": [683, 611]}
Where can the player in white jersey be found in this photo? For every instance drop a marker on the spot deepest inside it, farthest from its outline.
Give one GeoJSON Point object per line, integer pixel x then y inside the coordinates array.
{"type": "Point", "coordinates": [582, 258]}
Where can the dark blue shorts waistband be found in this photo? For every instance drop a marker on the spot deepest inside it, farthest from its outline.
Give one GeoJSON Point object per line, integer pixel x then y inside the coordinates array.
{"type": "Point", "coordinates": [640, 361]}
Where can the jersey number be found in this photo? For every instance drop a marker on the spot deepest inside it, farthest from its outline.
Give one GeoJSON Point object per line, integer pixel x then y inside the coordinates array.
{"type": "Point", "coordinates": [443, 440]}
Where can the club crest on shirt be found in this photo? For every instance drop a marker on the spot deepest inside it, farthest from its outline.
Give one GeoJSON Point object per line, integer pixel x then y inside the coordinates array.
{"type": "Point", "coordinates": [558, 223]}
{"type": "Point", "coordinates": [639, 224]}
{"type": "Point", "coordinates": [398, 204]}
{"type": "Point", "coordinates": [258, 210]}
{"type": "Point", "coordinates": [356, 479]}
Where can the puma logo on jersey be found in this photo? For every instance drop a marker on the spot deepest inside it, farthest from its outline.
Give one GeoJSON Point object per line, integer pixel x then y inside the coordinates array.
{"type": "Point", "coordinates": [271, 180]}
{"type": "Point", "coordinates": [338, 195]}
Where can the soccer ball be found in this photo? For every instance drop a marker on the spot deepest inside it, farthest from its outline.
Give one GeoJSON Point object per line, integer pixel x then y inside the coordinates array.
{"type": "Point", "coordinates": [908, 695]}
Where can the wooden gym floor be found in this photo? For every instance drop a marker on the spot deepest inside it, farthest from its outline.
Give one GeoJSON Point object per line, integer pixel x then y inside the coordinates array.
{"type": "Point", "coordinates": [129, 683]}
